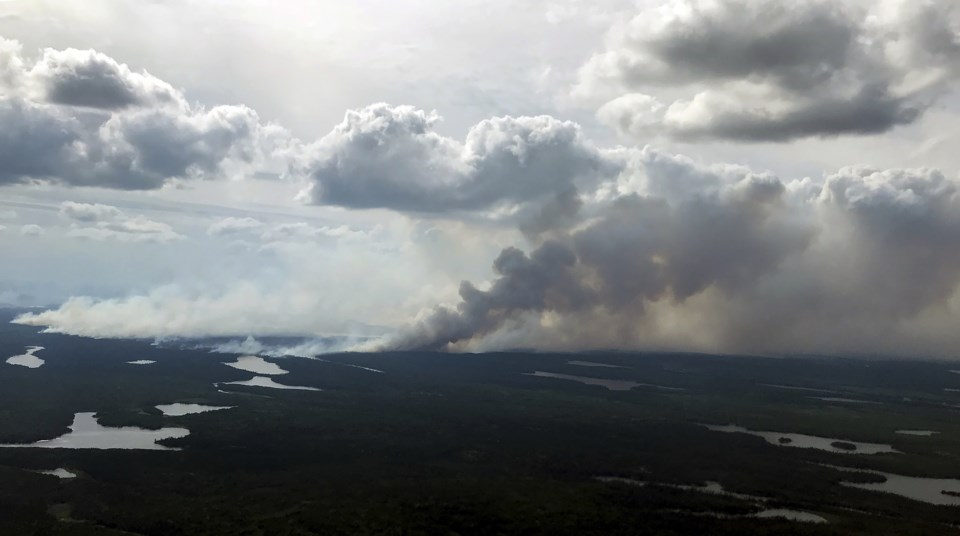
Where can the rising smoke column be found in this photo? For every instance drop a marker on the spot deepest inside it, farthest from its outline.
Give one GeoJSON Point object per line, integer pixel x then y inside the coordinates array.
{"type": "Point", "coordinates": [864, 261]}
{"type": "Point", "coordinates": [641, 250]}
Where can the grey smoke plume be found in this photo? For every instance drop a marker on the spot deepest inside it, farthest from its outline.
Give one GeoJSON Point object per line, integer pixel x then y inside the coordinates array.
{"type": "Point", "coordinates": [862, 261]}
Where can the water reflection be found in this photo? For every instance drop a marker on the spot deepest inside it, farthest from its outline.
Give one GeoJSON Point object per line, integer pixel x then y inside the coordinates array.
{"type": "Point", "coordinates": [263, 381]}
{"type": "Point", "coordinates": [60, 473]}
{"type": "Point", "coordinates": [792, 515]}
{"type": "Point", "coordinates": [840, 446]}
{"type": "Point", "coordinates": [257, 365]}
{"type": "Point", "coordinates": [613, 385]}
{"type": "Point", "coordinates": [592, 364]}
{"type": "Point", "coordinates": [28, 359]}
{"type": "Point", "coordinates": [843, 400]}
{"type": "Point", "coordinates": [797, 388]}
{"type": "Point", "coordinates": [715, 488]}
{"type": "Point", "coordinates": [179, 410]}
{"type": "Point", "coordinates": [941, 491]}
{"type": "Point", "coordinates": [87, 433]}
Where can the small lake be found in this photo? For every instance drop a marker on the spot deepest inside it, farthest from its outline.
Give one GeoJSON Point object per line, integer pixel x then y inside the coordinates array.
{"type": "Point", "coordinates": [928, 490]}
{"type": "Point", "coordinates": [921, 433]}
{"type": "Point", "coordinates": [141, 362]}
{"type": "Point", "coordinates": [368, 369]}
{"type": "Point", "coordinates": [257, 365]}
{"type": "Point", "coordinates": [27, 359]}
{"type": "Point", "coordinates": [805, 441]}
{"type": "Point", "coordinates": [263, 381]}
{"type": "Point", "coordinates": [61, 473]}
{"type": "Point", "coordinates": [350, 365]}
{"type": "Point", "coordinates": [87, 433]}
{"type": "Point", "coordinates": [621, 480]}
{"type": "Point", "coordinates": [792, 515]}
{"type": "Point", "coordinates": [715, 488]}
{"type": "Point", "coordinates": [613, 385]}
{"type": "Point", "coordinates": [592, 364]}
{"type": "Point", "coordinates": [179, 410]}
{"type": "Point", "coordinates": [842, 400]}
{"type": "Point", "coordinates": [796, 388]}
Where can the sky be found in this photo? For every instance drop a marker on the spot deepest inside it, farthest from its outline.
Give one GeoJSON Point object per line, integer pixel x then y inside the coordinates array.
{"type": "Point", "coordinates": [730, 176]}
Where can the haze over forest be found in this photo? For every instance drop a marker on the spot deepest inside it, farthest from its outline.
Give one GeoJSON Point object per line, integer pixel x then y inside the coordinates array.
{"type": "Point", "coordinates": [726, 176]}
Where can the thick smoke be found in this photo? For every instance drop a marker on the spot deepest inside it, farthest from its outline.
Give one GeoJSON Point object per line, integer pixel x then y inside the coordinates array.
{"type": "Point", "coordinates": [862, 261]}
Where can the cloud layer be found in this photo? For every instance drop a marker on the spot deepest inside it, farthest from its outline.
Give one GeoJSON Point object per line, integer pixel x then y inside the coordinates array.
{"type": "Point", "coordinates": [621, 247]}
{"type": "Point", "coordinates": [760, 70]}
{"type": "Point", "coordinates": [80, 118]}
{"type": "Point", "coordinates": [105, 222]}
{"type": "Point", "coordinates": [91, 79]}
{"type": "Point", "coordinates": [391, 157]}
{"type": "Point", "coordinates": [641, 249]}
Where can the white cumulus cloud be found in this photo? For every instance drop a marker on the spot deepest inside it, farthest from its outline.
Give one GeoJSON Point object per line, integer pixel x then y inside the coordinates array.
{"type": "Point", "coordinates": [105, 222]}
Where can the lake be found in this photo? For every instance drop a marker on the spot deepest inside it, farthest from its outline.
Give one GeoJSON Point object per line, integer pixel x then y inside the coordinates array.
{"type": "Point", "coordinates": [257, 365]}
{"type": "Point", "coordinates": [179, 410]}
{"type": "Point", "coordinates": [592, 364]}
{"type": "Point", "coordinates": [28, 359]}
{"type": "Point", "coordinates": [715, 488]}
{"type": "Point", "coordinates": [60, 473]}
{"type": "Point", "coordinates": [87, 433]}
{"type": "Point", "coordinates": [805, 441]}
{"type": "Point", "coordinates": [928, 490]}
{"type": "Point", "coordinates": [843, 400]}
{"type": "Point", "coordinates": [263, 381]}
{"type": "Point", "coordinates": [792, 515]}
{"type": "Point", "coordinates": [613, 385]}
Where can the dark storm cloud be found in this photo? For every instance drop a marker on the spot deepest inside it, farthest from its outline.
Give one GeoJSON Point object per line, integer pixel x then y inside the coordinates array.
{"type": "Point", "coordinates": [759, 70]}
{"type": "Point", "coordinates": [88, 78]}
{"type": "Point", "coordinates": [798, 45]}
{"type": "Point", "coordinates": [35, 141]}
{"type": "Point", "coordinates": [391, 157]}
{"type": "Point", "coordinates": [866, 113]}
{"type": "Point", "coordinates": [134, 151]}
